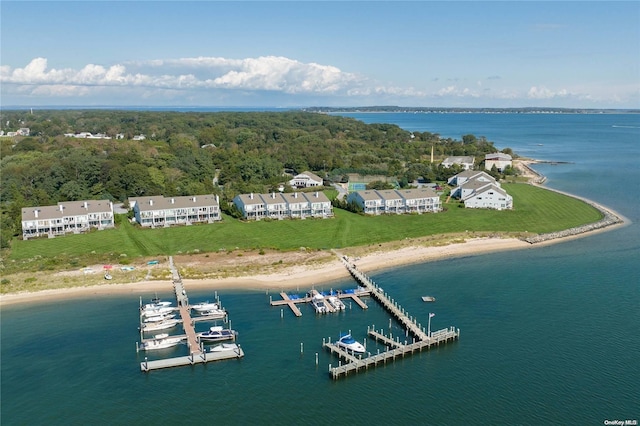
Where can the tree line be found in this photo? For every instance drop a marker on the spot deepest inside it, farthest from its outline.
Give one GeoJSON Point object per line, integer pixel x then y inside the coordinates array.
{"type": "Point", "coordinates": [225, 153]}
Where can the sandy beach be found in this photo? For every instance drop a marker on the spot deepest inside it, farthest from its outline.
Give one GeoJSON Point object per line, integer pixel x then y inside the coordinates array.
{"type": "Point", "coordinates": [305, 275]}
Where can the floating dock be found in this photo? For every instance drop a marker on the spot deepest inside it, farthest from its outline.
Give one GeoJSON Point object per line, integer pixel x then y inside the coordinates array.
{"type": "Point", "coordinates": [197, 354]}
{"type": "Point", "coordinates": [421, 338]}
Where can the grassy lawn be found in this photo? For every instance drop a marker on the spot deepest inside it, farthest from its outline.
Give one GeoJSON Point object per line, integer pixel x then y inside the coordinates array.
{"type": "Point", "coordinates": [536, 211]}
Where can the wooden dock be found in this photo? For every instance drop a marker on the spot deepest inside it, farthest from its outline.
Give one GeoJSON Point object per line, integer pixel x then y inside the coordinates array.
{"type": "Point", "coordinates": [421, 339]}
{"type": "Point", "coordinates": [286, 300]}
{"type": "Point", "coordinates": [197, 354]}
{"type": "Point", "coordinates": [355, 365]}
{"type": "Point", "coordinates": [202, 357]}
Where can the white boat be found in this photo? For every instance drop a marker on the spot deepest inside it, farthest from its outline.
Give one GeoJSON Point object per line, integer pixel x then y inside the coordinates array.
{"type": "Point", "coordinates": [155, 304]}
{"type": "Point", "coordinates": [156, 311]}
{"type": "Point", "coordinates": [224, 347]}
{"type": "Point", "coordinates": [428, 299]}
{"type": "Point", "coordinates": [159, 318]}
{"type": "Point", "coordinates": [214, 313]}
{"type": "Point", "coordinates": [318, 303]}
{"type": "Point", "coordinates": [163, 325]}
{"type": "Point", "coordinates": [161, 341]}
{"type": "Point", "coordinates": [217, 333]}
{"type": "Point", "coordinates": [107, 276]}
{"type": "Point", "coordinates": [350, 344]}
{"type": "Point", "coordinates": [205, 306]}
{"type": "Point", "coordinates": [336, 303]}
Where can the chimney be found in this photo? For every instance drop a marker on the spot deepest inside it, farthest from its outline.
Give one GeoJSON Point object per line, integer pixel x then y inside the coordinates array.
{"type": "Point", "coordinates": [35, 213]}
{"type": "Point", "coordinates": [251, 196]}
{"type": "Point", "coordinates": [61, 207]}
{"type": "Point", "coordinates": [194, 199]}
{"type": "Point", "coordinates": [273, 195]}
{"type": "Point", "coordinates": [295, 195]}
{"type": "Point", "coordinates": [150, 202]}
{"type": "Point", "coordinates": [173, 200]}
{"type": "Point", "coordinates": [317, 195]}
{"type": "Point", "coordinates": [217, 200]}
{"type": "Point", "coordinates": [86, 205]}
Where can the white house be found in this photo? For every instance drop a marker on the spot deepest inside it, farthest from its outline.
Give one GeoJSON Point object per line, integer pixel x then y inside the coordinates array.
{"type": "Point", "coordinates": [157, 210]}
{"type": "Point", "coordinates": [464, 161]}
{"type": "Point", "coordinates": [66, 217]}
{"type": "Point", "coordinates": [489, 196]}
{"type": "Point", "coordinates": [250, 205]}
{"type": "Point", "coordinates": [480, 190]}
{"type": "Point", "coordinates": [498, 159]}
{"type": "Point", "coordinates": [305, 180]}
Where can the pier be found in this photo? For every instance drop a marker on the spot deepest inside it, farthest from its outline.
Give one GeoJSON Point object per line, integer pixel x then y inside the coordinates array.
{"type": "Point", "coordinates": [421, 339]}
{"type": "Point", "coordinates": [292, 303]}
{"type": "Point", "coordinates": [197, 354]}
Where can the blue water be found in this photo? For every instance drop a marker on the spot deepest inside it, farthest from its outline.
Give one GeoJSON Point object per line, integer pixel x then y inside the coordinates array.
{"type": "Point", "coordinates": [549, 335]}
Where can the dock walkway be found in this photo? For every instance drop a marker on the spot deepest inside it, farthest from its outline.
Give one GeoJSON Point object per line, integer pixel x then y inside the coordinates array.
{"type": "Point", "coordinates": [421, 339]}
{"type": "Point", "coordinates": [386, 301]}
{"type": "Point", "coordinates": [286, 300]}
{"type": "Point", "coordinates": [197, 354]}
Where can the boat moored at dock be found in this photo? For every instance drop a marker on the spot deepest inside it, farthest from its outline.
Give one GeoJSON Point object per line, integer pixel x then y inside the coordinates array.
{"type": "Point", "coordinates": [160, 341]}
{"type": "Point", "coordinates": [162, 325]}
{"type": "Point", "coordinates": [350, 344]}
{"type": "Point", "coordinates": [216, 334]}
{"type": "Point", "coordinates": [337, 304]}
{"type": "Point", "coordinates": [318, 302]}
{"type": "Point", "coordinates": [225, 347]}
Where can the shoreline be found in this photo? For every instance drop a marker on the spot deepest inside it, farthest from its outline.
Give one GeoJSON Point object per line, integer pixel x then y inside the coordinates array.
{"type": "Point", "coordinates": [305, 275]}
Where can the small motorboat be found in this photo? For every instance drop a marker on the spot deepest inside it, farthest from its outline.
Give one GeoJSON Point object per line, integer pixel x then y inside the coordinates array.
{"type": "Point", "coordinates": [159, 318]}
{"type": "Point", "coordinates": [318, 303]}
{"type": "Point", "coordinates": [336, 303]}
{"type": "Point", "coordinates": [224, 347]}
{"type": "Point", "coordinates": [205, 306]}
{"type": "Point", "coordinates": [428, 299]}
{"type": "Point", "coordinates": [217, 333]}
{"type": "Point", "coordinates": [163, 325]}
{"type": "Point", "coordinates": [214, 313]}
{"type": "Point", "coordinates": [350, 344]}
{"type": "Point", "coordinates": [161, 341]}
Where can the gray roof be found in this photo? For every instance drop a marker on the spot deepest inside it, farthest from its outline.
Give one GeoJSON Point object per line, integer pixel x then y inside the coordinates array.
{"type": "Point", "coordinates": [498, 156]}
{"type": "Point", "coordinates": [316, 197]}
{"type": "Point", "coordinates": [272, 198]}
{"type": "Point", "coordinates": [67, 209]}
{"type": "Point", "coordinates": [458, 160]}
{"type": "Point", "coordinates": [161, 203]}
{"type": "Point", "coordinates": [369, 195]}
{"type": "Point", "coordinates": [310, 175]}
{"type": "Point", "coordinates": [417, 193]}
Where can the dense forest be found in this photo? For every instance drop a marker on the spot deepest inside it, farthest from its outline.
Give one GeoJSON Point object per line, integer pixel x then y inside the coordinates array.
{"type": "Point", "coordinates": [225, 153]}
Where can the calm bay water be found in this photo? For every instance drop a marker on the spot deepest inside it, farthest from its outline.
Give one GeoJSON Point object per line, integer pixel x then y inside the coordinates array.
{"type": "Point", "coordinates": [549, 335]}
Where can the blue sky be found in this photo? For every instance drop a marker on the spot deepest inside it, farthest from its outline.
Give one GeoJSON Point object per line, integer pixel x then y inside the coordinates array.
{"type": "Point", "coordinates": [320, 53]}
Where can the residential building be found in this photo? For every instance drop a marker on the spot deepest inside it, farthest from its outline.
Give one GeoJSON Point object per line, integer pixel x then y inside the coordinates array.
{"type": "Point", "coordinates": [155, 211]}
{"type": "Point", "coordinates": [498, 159]}
{"type": "Point", "coordinates": [66, 217]}
{"type": "Point", "coordinates": [368, 200]}
{"type": "Point", "coordinates": [489, 196]}
{"type": "Point", "coordinates": [466, 162]}
{"type": "Point", "coordinates": [305, 180]}
{"type": "Point", "coordinates": [297, 205]}
{"type": "Point", "coordinates": [396, 201]}
{"type": "Point", "coordinates": [480, 190]}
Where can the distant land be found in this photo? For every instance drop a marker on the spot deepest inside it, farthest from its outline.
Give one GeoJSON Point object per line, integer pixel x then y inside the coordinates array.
{"type": "Point", "coordinates": [324, 109]}
{"type": "Point", "coordinates": [438, 110]}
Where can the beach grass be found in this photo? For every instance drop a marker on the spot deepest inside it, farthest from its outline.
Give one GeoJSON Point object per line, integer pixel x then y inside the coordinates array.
{"type": "Point", "coordinates": [537, 210]}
